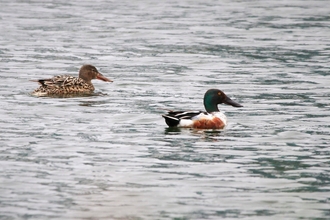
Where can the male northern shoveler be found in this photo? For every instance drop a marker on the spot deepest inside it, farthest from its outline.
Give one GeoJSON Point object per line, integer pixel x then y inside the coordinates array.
{"type": "Point", "coordinates": [64, 84]}
{"type": "Point", "coordinates": [211, 119]}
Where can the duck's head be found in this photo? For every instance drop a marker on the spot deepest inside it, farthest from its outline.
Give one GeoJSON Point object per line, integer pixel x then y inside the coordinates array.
{"type": "Point", "coordinates": [213, 97]}
{"type": "Point", "coordinates": [89, 72]}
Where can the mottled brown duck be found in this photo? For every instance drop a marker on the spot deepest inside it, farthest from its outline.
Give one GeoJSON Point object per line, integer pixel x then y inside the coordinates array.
{"type": "Point", "coordinates": [70, 85]}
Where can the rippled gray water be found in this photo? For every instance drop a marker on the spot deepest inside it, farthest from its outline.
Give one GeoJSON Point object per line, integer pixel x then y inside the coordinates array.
{"type": "Point", "coordinates": [112, 156]}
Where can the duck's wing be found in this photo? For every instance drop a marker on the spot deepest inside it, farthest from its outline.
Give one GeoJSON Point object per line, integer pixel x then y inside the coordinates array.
{"type": "Point", "coordinates": [60, 81]}
{"type": "Point", "coordinates": [172, 118]}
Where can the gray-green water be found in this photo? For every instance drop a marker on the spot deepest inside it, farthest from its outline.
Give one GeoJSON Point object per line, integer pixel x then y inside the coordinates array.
{"type": "Point", "coordinates": [113, 157]}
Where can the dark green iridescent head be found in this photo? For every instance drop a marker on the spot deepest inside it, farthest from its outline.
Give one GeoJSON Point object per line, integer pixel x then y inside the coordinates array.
{"type": "Point", "coordinates": [213, 97]}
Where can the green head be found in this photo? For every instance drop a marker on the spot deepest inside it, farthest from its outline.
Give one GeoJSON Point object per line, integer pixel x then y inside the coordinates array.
{"type": "Point", "coordinates": [213, 97]}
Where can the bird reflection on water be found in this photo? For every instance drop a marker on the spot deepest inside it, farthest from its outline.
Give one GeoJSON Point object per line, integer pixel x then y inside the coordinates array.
{"type": "Point", "coordinates": [206, 134]}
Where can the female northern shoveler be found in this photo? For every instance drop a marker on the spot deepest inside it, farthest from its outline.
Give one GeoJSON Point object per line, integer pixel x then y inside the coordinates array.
{"type": "Point", "coordinates": [64, 84]}
{"type": "Point", "coordinates": [211, 119]}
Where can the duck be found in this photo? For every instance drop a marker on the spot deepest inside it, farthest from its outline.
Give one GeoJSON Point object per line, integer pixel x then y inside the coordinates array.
{"type": "Point", "coordinates": [66, 85]}
{"type": "Point", "coordinates": [211, 119]}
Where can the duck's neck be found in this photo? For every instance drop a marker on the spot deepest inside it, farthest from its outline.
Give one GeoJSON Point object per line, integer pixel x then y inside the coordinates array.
{"type": "Point", "coordinates": [85, 78]}
{"type": "Point", "coordinates": [210, 105]}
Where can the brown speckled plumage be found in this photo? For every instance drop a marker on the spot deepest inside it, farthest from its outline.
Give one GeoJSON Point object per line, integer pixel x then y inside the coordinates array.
{"type": "Point", "coordinates": [65, 84]}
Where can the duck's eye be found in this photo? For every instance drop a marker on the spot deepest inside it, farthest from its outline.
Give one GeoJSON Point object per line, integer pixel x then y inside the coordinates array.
{"type": "Point", "coordinates": [219, 94]}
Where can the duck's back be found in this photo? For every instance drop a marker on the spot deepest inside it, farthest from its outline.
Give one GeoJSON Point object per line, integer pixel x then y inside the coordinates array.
{"type": "Point", "coordinates": [62, 84]}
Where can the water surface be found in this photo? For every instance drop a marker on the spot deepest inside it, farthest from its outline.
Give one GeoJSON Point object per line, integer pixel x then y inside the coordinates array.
{"type": "Point", "coordinates": [112, 156]}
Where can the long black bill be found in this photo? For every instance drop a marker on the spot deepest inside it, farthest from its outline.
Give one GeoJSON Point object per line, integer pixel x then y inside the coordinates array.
{"type": "Point", "coordinates": [228, 101]}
